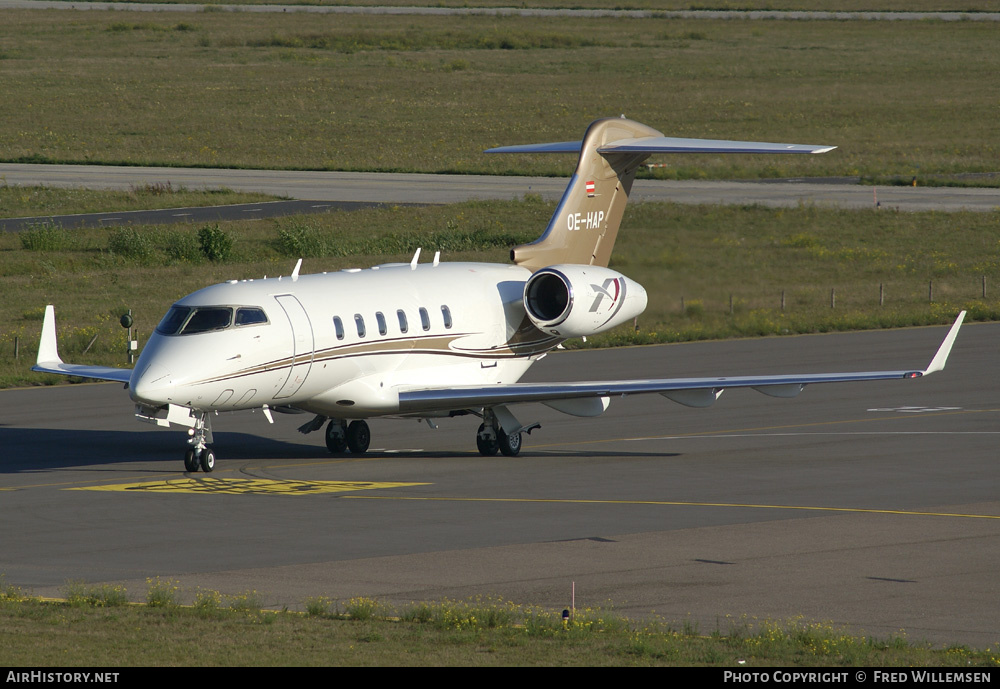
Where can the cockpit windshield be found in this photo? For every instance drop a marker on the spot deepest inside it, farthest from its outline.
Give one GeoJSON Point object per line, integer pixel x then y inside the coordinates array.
{"type": "Point", "coordinates": [190, 320]}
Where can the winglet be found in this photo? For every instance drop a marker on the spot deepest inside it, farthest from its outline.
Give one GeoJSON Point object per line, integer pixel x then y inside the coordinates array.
{"type": "Point", "coordinates": [48, 351]}
{"type": "Point", "coordinates": [939, 360]}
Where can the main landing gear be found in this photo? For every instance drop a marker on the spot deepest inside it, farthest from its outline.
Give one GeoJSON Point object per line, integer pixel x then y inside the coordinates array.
{"type": "Point", "coordinates": [492, 436]}
{"type": "Point", "coordinates": [354, 437]}
{"type": "Point", "coordinates": [491, 440]}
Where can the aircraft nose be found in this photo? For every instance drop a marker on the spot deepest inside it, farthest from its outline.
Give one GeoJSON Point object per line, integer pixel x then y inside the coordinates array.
{"type": "Point", "coordinates": [151, 385]}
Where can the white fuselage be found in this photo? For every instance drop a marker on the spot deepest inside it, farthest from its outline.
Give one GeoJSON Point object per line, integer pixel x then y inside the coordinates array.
{"type": "Point", "coordinates": [343, 344]}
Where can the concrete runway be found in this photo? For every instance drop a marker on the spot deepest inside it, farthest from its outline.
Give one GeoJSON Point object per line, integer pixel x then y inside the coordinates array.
{"type": "Point", "coordinates": [873, 506]}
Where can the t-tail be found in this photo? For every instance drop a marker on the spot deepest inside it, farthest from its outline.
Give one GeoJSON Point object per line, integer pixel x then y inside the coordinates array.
{"type": "Point", "coordinates": [585, 224]}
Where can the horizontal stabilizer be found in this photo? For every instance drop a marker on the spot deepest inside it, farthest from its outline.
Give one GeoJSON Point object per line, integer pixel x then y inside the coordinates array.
{"type": "Point", "coordinates": [558, 147]}
{"type": "Point", "coordinates": [667, 144]}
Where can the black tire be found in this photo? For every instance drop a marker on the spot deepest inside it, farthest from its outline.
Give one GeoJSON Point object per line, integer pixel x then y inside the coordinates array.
{"type": "Point", "coordinates": [207, 460]}
{"type": "Point", "coordinates": [190, 461]}
{"type": "Point", "coordinates": [358, 437]}
{"type": "Point", "coordinates": [336, 441]}
{"type": "Point", "coordinates": [487, 446]}
{"type": "Point", "coordinates": [510, 445]}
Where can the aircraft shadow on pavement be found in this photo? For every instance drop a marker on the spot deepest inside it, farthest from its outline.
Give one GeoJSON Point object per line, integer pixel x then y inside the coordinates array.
{"type": "Point", "coordinates": [44, 449]}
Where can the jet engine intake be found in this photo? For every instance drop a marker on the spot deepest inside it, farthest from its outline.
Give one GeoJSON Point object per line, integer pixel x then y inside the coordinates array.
{"type": "Point", "coordinates": [578, 300]}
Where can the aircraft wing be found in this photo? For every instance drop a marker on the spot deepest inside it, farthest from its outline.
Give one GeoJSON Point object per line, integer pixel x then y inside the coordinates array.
{"type": "Point", "coordinates": [48, 360]}
{"type": "Point", "coordinates": [693, 392]}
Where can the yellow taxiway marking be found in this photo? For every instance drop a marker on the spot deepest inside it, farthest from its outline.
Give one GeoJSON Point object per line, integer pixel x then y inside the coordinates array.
{"type": "Point", "coordinates": [668, 503]}
{"type": "Point", "coordinates": [241, 486]}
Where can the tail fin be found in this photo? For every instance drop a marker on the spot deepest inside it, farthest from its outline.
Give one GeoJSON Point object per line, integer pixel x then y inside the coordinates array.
{"type": "Point", "coordinates": [585, 225]}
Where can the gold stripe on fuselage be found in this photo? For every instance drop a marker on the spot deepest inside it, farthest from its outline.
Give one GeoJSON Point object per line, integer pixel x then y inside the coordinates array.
{"type": "Point", "coordinates": [424, 344]}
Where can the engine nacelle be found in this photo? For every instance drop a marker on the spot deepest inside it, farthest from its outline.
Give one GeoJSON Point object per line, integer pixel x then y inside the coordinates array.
{"type": "Point", "coordinates": [578, 300]}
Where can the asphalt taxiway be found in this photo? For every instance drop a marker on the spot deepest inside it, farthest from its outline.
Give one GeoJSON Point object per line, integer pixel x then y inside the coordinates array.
{"type": "Point", "coordinates": [414, 188]}
{"type": "Point", "coordinates": [872, 506]}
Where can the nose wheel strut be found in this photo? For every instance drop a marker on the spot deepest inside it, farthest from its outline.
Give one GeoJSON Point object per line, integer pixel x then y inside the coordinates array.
{"type": "Point", "coordinates": [199, 454]}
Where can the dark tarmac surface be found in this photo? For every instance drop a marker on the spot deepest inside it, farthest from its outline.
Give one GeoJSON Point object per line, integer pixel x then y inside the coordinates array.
{"type": "Point", "coordinates": [873, 506]}
{"type": "Point", "coordinates": [318, 188]}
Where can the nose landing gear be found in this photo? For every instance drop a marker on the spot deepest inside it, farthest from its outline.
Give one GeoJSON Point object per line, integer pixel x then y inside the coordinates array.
{"type": "Point", "coordinates": [199, 454]}
{"type": "Point", "coordinates": [193, 459]}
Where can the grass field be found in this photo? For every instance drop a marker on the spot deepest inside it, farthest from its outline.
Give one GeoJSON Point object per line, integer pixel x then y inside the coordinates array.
{"type": "Point", "coordinates": [430, 93]}
{"type": "Point", "coordinates": [807, 5]}
{"type": "Point", "coordinates": [96, 626]}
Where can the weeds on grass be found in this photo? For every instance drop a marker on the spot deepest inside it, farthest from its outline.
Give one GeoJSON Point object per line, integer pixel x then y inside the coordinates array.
{"type": "Point", "coordinates": [207, 603]}
{"type": "Point", "coordinates": [297, 238]}
{"type": "Point", "coordinates": [44, 237]}
{"type": "Point", "coordinates": [318, 606]}
{"type": "Point", "coordinates": [362, 608]}
{"type": "Point", "coordinates": [161, 593]}
{"type": "Point", "coordinates": [183, 247]}
{"type": "Point", "coordinates": [215, 243]}
{"type": "Point", "coordinates": [130, 243]}
{"type": "Point", "coordinates": [10, 593]}
{"type": "Point", "coordinates": [80, 594]}
{"type": "Point", "coordinates": [247, 602]}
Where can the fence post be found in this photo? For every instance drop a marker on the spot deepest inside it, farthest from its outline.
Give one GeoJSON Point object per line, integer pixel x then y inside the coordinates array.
{"type": "Point", "coordinates": [833, 297]}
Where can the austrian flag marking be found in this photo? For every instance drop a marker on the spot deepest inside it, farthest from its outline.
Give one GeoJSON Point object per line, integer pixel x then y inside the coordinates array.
{"type": "Point", "coordinates": [590, 188]}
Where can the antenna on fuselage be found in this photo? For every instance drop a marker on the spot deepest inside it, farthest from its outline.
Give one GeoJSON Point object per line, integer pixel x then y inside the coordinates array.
{"type": "Point", "coordinates": [413, 262]}
{"type": "Point", "coordinates": [295, 271]}
{"type": "Point", "coordinates": [437, 258]}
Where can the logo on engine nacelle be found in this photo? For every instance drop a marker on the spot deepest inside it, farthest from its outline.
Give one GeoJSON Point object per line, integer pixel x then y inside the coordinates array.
{"type": "Point", "coordinates": [605, 291]}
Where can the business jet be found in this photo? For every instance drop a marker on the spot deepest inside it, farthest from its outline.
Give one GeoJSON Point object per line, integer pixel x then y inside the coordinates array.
{"type": "Point", "coordinates": [433, 339]}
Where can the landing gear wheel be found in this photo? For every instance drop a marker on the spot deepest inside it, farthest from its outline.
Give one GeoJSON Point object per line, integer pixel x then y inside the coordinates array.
{"type": "Point", "coordinates": [488, 445]}
{"type": "Point", "coordinates": [336, 442]}
{"type": "Point", "coordinates": [510, 445]}
{"type": "Point", "coordinates": [190, 461]}
{"type": "Point", "coordinates": [207, 460]}
{"type": "Point", "coordinates": [358, 437]}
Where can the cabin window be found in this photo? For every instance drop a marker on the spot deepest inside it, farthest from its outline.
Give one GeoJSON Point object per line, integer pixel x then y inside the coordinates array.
{"type": "Point", "coordinates": [204, 320]}
{"type": "Point", "coordinates": [446, 313]}
{"type": "Point", "coordinates": [338, 325]}
{"type": "Point", "coordinates": [380, 319]}
{"type": "Point", "coordinates": [250, 316]}
{"type": "Point", "coordinates": [402, 320]}
{"type": "Point", "coordinates": [425, 320]}
{"type": "Point", "coordinates": [360, 322]}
